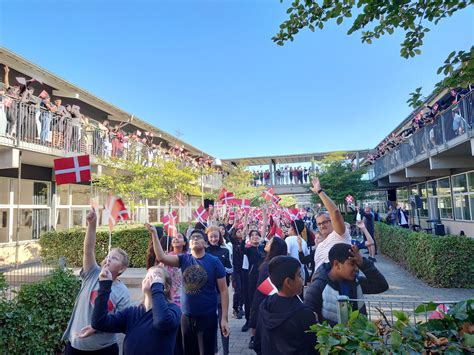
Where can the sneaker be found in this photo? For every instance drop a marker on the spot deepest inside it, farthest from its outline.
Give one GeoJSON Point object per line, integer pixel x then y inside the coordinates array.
{"type": "Point", "coordinates": [241, 313]}
{"type": "Point", "coordinates": [235, 314]}
{"type": "Point", "coordinates": [245, 327]}
{"type": "Point", "coordinates": [251, 343]}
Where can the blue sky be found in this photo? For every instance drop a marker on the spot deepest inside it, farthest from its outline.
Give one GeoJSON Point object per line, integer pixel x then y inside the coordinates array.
{"type": "Point", "coordinates": [209, 70]}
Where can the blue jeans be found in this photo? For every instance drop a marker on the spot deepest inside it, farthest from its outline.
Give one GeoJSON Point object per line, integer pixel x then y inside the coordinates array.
{"type": "Point", "coordinates": [45, 123]}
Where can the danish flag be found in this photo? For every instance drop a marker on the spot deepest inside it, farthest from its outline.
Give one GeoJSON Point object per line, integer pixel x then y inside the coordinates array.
{"type": "Point", "coordinates": [231, 216]}
{"type": "Point", "coordinates": [221, 194]}
{"type": "Point", "coordinates": [117, 211]}
{"type": "Point", "coordinates": [267, 287]}
{"type": "Point", "coordinates": [7, 101]}
{"type": "Point", "coordinates": [201, 214]}
{"type": "Point", "coordinates": [276, 199]}
{"type": "Point", "coordinates": [244, 204]}
{"type": "Point", "coordinates": [349, 199]}
{"type": "Point", "coordinates": [43, 95]}
{"type": "Point", "coordinates": [228, 198]}
{"type": "Point", "coordinates": [268, 194]}
{"type": "Point", "coordinates": [72, 170]}
{"type": "Point", "coordinates": [169, 223]}
{"type": "Point", "coordinates": [292, 214]}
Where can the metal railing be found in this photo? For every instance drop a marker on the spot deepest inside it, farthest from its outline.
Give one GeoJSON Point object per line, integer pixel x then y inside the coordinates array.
{"type": "Point", "coordinates": [14, 276]}
{"type": "Point", "coordinates": [381, 309]}
{"type": "Point", "coordinates": [448, 125]}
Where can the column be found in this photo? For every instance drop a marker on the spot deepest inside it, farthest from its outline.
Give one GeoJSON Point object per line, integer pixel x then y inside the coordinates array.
{"type": "Point", "coordinates": [272, 172]}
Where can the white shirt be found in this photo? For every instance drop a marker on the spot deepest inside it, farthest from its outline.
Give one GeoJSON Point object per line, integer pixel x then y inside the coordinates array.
{"type": "Point", "coordinates": [321, 255]}
{"type": "Point", "coordinates": [293, 249]}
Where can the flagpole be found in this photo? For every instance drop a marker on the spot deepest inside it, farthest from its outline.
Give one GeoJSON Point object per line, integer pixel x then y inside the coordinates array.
{"type": "Point", "coordinates": [110, 240]}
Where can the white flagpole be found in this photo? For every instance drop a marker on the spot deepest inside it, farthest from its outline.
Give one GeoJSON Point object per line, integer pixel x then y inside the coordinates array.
{"type": "Point", "coordinates": [110, 240]}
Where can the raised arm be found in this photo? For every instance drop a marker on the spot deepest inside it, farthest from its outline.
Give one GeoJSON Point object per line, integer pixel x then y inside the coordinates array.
{"type": "Point", "coordinates": [263, 227]}
{"type": "Point", "coordinates": [101, 319]}
{"type": "Point", "coordinates": [6, 80]}
{"type": "Point", "coordinates": [88, 259]}
{"type": "Point", "coordinates": [170, 260]}
{"type": "Point", "coordinates": [336, 216]}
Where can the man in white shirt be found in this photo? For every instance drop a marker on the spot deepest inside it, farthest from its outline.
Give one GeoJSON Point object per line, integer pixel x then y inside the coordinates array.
{"type": "Point", "coordinates": [331, 227]}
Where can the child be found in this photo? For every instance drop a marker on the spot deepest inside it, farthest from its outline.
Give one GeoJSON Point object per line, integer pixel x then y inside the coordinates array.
{"type": "Point", "coordinates": [283, 318]}
{"type": "Point", "coordinates": [340, 277]}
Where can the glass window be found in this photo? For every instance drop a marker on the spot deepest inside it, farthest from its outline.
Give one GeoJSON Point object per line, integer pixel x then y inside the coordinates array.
{"type": "Point", "coordinates": [62, 215]}
{"type": "Point", "coordinates": [461, 207]}
{"type": "Point", "coordinates": [422, 190]}
{"type": "Point", "coordinates": [432, 188]}
{"type": "Point", "coordinates": [402, 194]}
{"type": "Point", "coordinates": [40, 193]}
{"type": "Point", "coordinates": [444, 187]}
{"type": "Point", "coordinates": [77, 218]}
{"type": "Point", "coordinates": [153, 215]}
{"type": "Point", "coordinates": [445, 207]}
{"type": "Point", "coordinates": [4, 225]}
{"type": "Point", "coordinates": [459, 183]}
{"type": "Point", "coordinates": [471, 181]}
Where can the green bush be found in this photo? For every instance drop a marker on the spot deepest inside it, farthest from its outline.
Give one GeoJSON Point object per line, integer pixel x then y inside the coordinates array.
{"type": "Point", "coordinates": [451, 334]}
{"type": "Point", "coordinates": [34, 321]}
{"type": "Point", "coordinates": [134, 240]}
{"type": "Point", "coordinates": [441, 261]}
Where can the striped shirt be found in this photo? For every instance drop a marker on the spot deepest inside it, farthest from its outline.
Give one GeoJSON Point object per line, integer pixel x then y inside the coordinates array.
{"type": "Point", "coordinates": [322, 250]}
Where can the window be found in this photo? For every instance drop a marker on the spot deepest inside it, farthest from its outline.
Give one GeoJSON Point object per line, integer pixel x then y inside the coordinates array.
{"type": "Point", "coordinates": [463, 193]}
{"type": "Point", "coordinates": [445, 207]}
{"type": "Point", "coordinates": [432, 188]}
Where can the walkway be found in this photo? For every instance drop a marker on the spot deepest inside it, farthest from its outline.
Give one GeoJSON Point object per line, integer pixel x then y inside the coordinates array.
{"type": "Point", "coordinates": [403, 287]}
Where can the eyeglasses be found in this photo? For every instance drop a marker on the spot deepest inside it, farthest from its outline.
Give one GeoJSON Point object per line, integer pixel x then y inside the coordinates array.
{"type": "Point", "coordinates": [323, 223]}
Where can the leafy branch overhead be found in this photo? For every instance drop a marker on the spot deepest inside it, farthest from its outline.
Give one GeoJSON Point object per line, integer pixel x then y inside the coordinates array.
{"type": "Point", "coordinates": [374, 18]}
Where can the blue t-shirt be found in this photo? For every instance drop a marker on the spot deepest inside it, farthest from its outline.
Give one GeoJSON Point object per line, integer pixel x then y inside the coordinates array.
{"type": "Point", "coordinates": [199, 293]}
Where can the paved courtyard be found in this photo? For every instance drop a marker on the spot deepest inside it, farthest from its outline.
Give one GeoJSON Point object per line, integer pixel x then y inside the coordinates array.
{"type": "Point", "coordinates": [403, 287]}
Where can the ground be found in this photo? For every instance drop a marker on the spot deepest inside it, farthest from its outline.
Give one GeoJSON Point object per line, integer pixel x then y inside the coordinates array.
{"type": "Point", "coordinates": [406, 291]}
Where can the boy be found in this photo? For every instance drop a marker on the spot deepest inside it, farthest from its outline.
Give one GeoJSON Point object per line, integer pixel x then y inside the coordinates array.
{"type": "Point", "coordinates": [340, 277]}
{"type": "Point", "coordinates": [79, 335]}
{"type": "Point", "coordinates": [283, 318]}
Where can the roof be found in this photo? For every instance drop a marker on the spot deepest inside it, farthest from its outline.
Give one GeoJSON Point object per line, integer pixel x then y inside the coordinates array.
{"type": "Point", "coordinates": [293, 158]}
{"type": "Point", "coordinates": [67, 89]}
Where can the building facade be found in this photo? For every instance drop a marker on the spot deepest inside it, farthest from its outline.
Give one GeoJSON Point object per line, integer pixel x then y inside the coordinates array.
{"type": "Point", "coordinates": [31, 137]}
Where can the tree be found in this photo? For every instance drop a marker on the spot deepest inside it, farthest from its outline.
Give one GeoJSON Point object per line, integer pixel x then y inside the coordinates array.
{"type": "Point", "coordinates": [287, 201]}
{"type": "Point", "coordinates": [339, 179]}
{"type": "Point", "coordinates": [381, 18]}
{"type": "Point", "coordinates": [162, 180]}
{"type": "Point", "coordinates": [239, 180]}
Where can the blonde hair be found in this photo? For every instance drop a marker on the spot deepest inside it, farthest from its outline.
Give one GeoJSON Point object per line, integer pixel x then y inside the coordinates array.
{"type": "Point", "coordinates": [125, 258]}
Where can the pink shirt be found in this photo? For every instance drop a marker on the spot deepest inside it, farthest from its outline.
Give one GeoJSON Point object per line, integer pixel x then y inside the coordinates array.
{"type": "Point", "coordinates": [322, 250]}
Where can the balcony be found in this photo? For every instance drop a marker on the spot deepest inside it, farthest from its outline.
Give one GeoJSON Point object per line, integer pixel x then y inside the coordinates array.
{"type": "Point", "coordinates": [44, 135]}
{"type": "Point", "coordinates": [450, 129]}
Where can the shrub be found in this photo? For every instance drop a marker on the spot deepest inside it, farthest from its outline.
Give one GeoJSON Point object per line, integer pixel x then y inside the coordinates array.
{"type": "Point", "coordinates": [34, 322]}
{"type": "Point", "coordinates": [134, 240]}
{"type": "Point", "coordinates": [451, 333]}
{"type": "Point", "coordinates": [441, 261]}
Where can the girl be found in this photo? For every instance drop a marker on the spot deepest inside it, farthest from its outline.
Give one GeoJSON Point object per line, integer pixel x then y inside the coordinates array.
{"type": "Point", "coordinates": [149, 328]}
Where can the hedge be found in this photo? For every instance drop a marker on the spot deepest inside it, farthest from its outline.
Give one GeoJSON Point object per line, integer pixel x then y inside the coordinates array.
{"type": "Point", "coordinates": [70, 244]}
{"type": "Point", "coordinates": [35, 320]}
{"type": "Point", "coordinates": [440, 261]}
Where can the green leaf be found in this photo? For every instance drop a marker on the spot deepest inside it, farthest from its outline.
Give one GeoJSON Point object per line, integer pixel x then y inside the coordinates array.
{"type": "Point", "coordinates": [468, 340]}
{"type": "Point", "coordinates": [424, 308]}
{"type": "Point", "coordinates": [396, 340]}
{"type": "Point", "coordinates": [339, 20]}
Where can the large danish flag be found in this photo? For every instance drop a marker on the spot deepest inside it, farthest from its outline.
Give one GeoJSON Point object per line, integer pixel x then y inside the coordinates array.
{"type": "Point", "coordinates": [201, 214]}
{"type": "Point", "coordinates": [244, 204]}
{"type": "Point", "coordinates": [228, 198]}
{"type": "Point", "coordinates": [72, 170]}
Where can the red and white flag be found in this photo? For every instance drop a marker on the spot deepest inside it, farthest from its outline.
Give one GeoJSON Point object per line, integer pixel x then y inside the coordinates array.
{"type": "Point", "coordinates": [180, 198]}
{"type": "Point", "coordinates": [231, 216]}
{"type": "Point", "coordinates": [221, 194]}
{"type": "Point", "coordinates": [44, 94]}
{"type": "Point", "coordinates": [170, 220]}
{"type": "Point", "coordinates": [349, 199]}
{"type": "Point", "coordinates": [276, 199]}
{"type": "Point", "coordinates": [228, 198]}
{"type": "Point", "coordinates": [267, 287]}
{"type": "Point", "coordinates": [72, 170]}
{"type": "Point", "coordinates": [201, 214]}
{"type": "Point", "coordinates": [7, 101]}
{"type": "Point", "coordinates": [117, 211]}
{"type": "Point", "coordinates": [245, 204]}
{"type": "Point", "coordinates": [268, 194]}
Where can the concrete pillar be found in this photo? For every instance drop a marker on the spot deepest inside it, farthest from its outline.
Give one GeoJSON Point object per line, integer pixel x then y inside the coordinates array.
{"type": "Point", "coordinates": [357, 161]}
{"type": "Point", "coordinates": [272, 172]}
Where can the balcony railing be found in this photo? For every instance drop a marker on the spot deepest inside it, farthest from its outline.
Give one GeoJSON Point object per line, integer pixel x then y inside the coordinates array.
{"type": "Point", "coordinates": [448, 125]}
{"type": "Point", "coordinates": [30, 126]}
